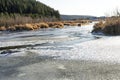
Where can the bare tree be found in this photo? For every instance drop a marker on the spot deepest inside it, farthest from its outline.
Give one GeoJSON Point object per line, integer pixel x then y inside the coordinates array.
{"type": "Point", "coordinates": [116, 13]}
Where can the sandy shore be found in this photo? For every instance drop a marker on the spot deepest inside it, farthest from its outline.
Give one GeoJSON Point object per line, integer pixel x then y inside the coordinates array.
{"type": "Point", "coordinates": [46, 68]}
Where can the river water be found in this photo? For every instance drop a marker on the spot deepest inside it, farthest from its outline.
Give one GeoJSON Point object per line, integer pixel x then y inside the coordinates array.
{"type": "Point", "coordinates": [67, 43]}
{"type": "Point", "coordinates": [71, 53]}
{"type": "Point", "coordinates": [46, 40]}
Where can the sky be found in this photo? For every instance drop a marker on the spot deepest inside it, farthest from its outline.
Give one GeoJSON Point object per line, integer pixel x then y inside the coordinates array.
{"type": "Point", "coordinates": [84, 7]}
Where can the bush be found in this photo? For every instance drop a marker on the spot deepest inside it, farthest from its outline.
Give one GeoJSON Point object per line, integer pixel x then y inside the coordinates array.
{"type": "Point", "coordinates": [98, 27]}
{"type": "Point", "coordinates": [110, 27]}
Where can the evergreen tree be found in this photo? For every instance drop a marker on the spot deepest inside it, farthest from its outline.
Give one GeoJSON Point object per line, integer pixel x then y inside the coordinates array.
{"type": "Point", "coordinates": [28, 8]}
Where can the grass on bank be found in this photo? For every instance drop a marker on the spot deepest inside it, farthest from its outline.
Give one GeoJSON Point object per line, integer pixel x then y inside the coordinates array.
{"type": "Point", "coordinates": [111, 26]}
{"type": "Point", "coordinates": [17, 22]}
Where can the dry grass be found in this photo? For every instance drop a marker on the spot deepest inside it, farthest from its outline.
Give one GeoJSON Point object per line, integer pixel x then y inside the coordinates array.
{"type": "Point", "coordinates": [110, 27]}
{"type": "Point", "coordinates": [20, 23]}
{"type": "Point", "coordinates": [2, 28]}
{"type": "Point", "coordinates": [55, 24]}
{"type": "Point", "coordinates": [76, 22]}
{"type": "Point", "coordinates": [41, 25]}
{"type": "Point", "coordinates": [20, 27]}
{"type": "Point", "coordinates": [99, 25]}
{"type": "Point", "coordinates": [44, 25]}
{"type": "Point", "coordinates": [9, 21]}
{"type": "Point", "coordinates": [66, 24]}
{"type": "Point", "coordinates": [70, 23]}
{"type": "Point", "coordinates": [32, 26]}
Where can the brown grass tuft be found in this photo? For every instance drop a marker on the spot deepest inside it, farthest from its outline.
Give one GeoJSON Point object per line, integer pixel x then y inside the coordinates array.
{"type": "Point", "coordinates": [43, 25]}
{"type": "Point", "coordinates": [110, 27]}
{"type": "Point", "coordinates": [56, 24]}
{"type": "Point", "coordinates": [76, 22]}
{"type": "Point", "coordinates": [2, 28]}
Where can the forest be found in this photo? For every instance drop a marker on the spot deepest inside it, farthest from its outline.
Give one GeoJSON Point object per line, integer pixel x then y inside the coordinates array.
{"type": "Point", "coordinates": [27, 8]}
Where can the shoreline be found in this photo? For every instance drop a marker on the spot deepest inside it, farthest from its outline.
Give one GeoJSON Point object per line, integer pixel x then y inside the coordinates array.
{"type": "Point", "coordinates": [41, 25]}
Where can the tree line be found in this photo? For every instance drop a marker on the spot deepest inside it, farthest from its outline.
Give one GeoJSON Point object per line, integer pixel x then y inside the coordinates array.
{"type": "Point", "coordinates": [30, 8]}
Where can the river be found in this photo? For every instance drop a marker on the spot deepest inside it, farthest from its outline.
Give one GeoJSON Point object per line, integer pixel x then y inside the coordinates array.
{"type": "Point", "coordinates": [46, 39]}
{"type": "Point", "coordinates": [71, 53]}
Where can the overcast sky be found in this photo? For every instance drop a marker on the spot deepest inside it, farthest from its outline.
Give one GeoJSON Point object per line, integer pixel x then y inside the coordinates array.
{"type": "Point", "coordinates": [84, 7]}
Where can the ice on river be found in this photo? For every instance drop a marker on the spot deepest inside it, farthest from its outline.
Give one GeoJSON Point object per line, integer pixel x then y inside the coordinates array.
{"type": "Point", "coordinates": [107, 49]}
{"type": "Point", "coordinates": [69, 43]}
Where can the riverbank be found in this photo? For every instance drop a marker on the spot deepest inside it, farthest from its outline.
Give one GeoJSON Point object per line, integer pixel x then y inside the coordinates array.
{"type": "Point", "coordinates": [41, 25]}
{"type": "Point", "coordinates": [32, 26]}
{"type": "Point", "coordinates": [111, 26]}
